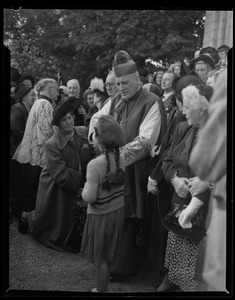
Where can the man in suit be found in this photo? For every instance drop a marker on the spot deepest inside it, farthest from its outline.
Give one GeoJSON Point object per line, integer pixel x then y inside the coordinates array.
{"type": "Point", "coordinates": [166, 85]}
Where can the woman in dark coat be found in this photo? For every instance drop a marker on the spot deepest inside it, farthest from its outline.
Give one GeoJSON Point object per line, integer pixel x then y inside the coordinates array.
{"type": "Point", "coordinates": [191, 195]}
{"type": "Point", "coordinates": [60, 213]}
{"type": "Point", "coordinates": [24, 96]}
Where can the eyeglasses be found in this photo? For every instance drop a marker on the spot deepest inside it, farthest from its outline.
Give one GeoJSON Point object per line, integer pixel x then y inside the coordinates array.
{"type": "Point", "coordinates": [109, 84]}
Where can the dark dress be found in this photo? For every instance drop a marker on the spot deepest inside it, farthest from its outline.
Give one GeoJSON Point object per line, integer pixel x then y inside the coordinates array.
{"type": "Point", "coordinates": [60, 213]}
{"type": "Point", "coordinates": [18, 118]}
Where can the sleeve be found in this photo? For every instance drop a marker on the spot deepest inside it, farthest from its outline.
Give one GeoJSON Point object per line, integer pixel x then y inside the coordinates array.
{"type": "Point", "coordinates": [103, 111]}
{"type": "Point", "coordinates": [43, 126]}
{"type": "Point", "coordinates": [16, 124]}
{"type": "Point", "coordinates": [135, 150]}
{"type": "Point", "coordinates": [168, 167]}
{"type": "Point", "coordinates": [149, 131]}
{"type": "Point", "coordinates": [64, 176]}
{"type": "Point", "coordinates": [90, 191]}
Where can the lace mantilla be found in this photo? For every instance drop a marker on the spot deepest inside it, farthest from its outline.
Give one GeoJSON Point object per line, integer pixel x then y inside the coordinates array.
{"type": "Point", "coordinates": [38, 130]}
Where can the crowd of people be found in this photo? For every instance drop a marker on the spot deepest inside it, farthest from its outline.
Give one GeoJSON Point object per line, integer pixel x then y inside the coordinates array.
{"type": "Point", "coordinates": [131, 175]}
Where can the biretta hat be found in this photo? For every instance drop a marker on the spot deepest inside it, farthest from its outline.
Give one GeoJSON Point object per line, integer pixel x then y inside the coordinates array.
{"type": "Point", "coordinates": [125, 68]}
{"type": "Point", "coordinates": [223, 48]}
{"type": "Point", "coordinates": [21, 90]}
{"type": "Point", "coordinates": [180, 83]}
{"type": "Point", "coordinates": [110, 132]}
{"type": "Point", "coordinates": [68, 105]}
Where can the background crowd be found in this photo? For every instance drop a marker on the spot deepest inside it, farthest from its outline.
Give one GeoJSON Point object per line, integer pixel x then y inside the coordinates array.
{"type": "Point", "coordinates": [143, 156]}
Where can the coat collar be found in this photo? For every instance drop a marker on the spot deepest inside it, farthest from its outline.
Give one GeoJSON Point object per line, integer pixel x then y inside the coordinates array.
{"type": "Point", "coordinates": [63, 140]}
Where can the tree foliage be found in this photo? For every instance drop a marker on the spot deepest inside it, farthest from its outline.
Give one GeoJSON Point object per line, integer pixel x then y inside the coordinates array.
{"type": "Point", "coordinates": [82, 43]}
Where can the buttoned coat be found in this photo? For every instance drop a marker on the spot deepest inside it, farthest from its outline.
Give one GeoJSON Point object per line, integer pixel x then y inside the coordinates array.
{"type": "Point", "coordinates": [59, 185]}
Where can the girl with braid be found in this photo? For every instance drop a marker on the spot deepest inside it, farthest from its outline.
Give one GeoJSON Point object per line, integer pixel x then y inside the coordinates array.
{"type": "Point", "coordinates": [104, 193]}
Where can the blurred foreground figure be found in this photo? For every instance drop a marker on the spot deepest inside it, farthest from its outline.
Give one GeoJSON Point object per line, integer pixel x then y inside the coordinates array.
{"type": "Point", "coordinates": [208, 160]}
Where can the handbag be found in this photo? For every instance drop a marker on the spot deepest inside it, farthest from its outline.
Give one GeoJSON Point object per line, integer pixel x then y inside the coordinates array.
{"type": "Point", "coordinates": [196, 232]}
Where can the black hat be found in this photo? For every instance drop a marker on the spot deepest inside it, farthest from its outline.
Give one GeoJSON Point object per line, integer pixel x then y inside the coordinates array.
{"type": "Point", "coordinates": [68, 105]}
{"type": "Point", "coordinates": [223, 48]}
{"type": "Point", "coordinates": [208, 55]}
{"type": "Point", "coordinates": [180, 83]}
{"type": "Point", "coordinates": [110, 132]}
{"type": "Point", "coordinates": [205, 90]}
{"type": "Point", "coordinates": [21, 90]}
{"type": "Point", "coordinates": [126, 68]}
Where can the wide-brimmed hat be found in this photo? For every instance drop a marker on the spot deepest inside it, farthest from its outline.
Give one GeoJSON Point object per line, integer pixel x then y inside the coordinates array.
{"type": "Point", "coordinates": [110, 132]}
{"type": "Point", "coordinates": [68, 105]}
{"type": "Point", "coordinates": [208, 55]}
{"type": "Point", "coordinates": [21, 90]}
{"type": "Point", "coordinates": [223, 48]}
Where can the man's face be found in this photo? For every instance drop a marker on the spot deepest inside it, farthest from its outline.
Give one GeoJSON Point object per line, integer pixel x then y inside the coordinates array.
{"type": "Point", "coordinates": [166, 83]}
{"type": "Point", "coordinates": [128, 85]}
{"type": "Point", "coordinates": [73, 89]}
{"type": "Point", "coordinates": [111, 85]}
{"type": "Point", "coordinates": [202, 70]}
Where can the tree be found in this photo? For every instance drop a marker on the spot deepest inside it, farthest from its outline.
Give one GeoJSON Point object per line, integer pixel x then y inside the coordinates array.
{"type": "Point", "coordinates": [81, 43]}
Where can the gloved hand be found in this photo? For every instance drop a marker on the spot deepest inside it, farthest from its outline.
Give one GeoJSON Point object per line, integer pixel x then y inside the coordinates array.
{"type": "Point", "coordinates": [152, 186]}
{"type": "Point", "coordinates": [189, 212]}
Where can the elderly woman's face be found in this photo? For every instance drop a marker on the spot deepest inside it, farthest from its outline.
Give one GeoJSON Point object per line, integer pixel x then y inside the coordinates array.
{"type": "Point", "coordinates": [67, 123]}
{"type": "Point", "coordinates": [192, 113]}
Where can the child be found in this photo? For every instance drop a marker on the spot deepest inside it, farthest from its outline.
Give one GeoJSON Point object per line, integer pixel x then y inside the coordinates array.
{"type": "Point", "coordinates": [104, 192]}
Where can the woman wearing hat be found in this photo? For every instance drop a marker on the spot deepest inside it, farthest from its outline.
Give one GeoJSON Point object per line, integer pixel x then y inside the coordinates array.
{"type": "Point", "coordinates": [104, 192]}
{"type": "Point", "coordinates": [223, 56]}
{"type": "Point", "coordinates": [100, 97]}
{"type": "Point", "coordinates": [190, 197]}
{"type": "Point", "coordinates": [205, 63]}
{"type": "Point", "coordinates": [59, 215]}
{"type": "Point", "coordinates": [24, 96]}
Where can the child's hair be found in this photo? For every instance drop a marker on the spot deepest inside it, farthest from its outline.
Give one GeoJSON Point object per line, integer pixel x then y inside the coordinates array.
{"type": "Point", "coordinates": [113, 179]}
